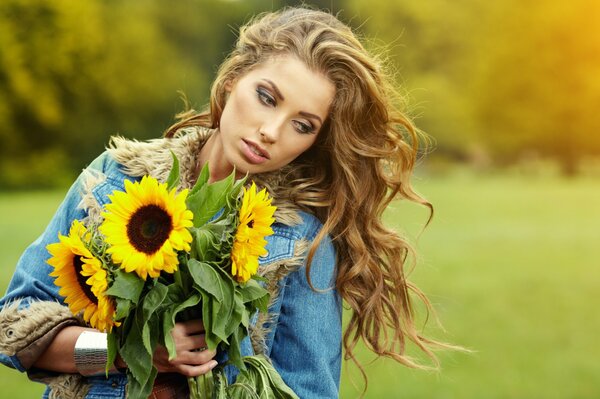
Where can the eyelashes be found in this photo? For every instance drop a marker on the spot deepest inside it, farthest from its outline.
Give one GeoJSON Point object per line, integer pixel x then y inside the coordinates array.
{"type": "Point", "coordinates": [268, 100]}
{"type": "Point", "coordinates": [303, 127]}
{"type": "Point", "coordinates": [265, 97]}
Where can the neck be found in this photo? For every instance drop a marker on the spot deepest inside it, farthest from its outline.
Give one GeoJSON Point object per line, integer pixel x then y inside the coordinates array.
{"type": "Point", "coordinates": [212, 153]}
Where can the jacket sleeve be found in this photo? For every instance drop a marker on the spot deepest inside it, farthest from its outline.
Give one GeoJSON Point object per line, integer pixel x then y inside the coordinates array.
{"type": "Point", "coordinates": [306, 340]}
{"type": "Point", "coordinates": [32, 310]}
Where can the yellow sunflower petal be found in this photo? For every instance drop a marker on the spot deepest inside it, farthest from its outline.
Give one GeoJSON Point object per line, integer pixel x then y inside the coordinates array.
{"type": "Point", "coordinates": [145, 225]}
{"type": "Point", "coordinates": [80, 278]}
{"type": "Point", "coordinates": [255, 219]}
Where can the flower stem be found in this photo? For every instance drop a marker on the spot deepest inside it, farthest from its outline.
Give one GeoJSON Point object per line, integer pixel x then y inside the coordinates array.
{"type": "Point", "coordinates": [178, 279]}
{"type": "Point", "coordinates": [201, 387]}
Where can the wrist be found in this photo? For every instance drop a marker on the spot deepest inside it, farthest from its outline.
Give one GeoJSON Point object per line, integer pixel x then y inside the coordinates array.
{"type": "Point", "coordinates": [91, 353]}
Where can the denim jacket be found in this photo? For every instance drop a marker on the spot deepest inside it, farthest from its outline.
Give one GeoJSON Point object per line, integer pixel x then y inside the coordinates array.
{"type": "Point", "coordinates": [301, 333]}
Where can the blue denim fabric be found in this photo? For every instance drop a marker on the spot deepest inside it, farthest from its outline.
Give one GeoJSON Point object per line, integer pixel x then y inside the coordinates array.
{"type": "Point", "coordinates": [304, 341]}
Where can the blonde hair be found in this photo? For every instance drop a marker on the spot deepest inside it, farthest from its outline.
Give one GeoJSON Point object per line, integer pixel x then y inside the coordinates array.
{"type": "Point", "coordinates": [365, 155]}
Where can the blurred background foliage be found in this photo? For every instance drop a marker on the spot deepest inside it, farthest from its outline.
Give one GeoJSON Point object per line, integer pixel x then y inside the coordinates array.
{"type": "Point", "coordinates": [508, 89]}
{"type": "Point", "coordinates": [494, 83]}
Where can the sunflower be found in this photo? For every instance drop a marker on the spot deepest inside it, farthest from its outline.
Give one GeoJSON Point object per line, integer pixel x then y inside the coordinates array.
{"type": "Point", "coordinates": [145, 226]}
{"type": "Point", "coordinates": [256, 217]}
{"type": "Point", "coordinates": [72, 263]}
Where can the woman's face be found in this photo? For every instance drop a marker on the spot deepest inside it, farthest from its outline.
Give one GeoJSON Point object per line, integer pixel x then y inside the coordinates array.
{"type": "Point", "coordinates": [273, 114]}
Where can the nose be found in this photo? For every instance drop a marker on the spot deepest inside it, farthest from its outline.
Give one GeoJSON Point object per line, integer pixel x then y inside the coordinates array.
{"type": "Point", "coordinates": [270, 130]}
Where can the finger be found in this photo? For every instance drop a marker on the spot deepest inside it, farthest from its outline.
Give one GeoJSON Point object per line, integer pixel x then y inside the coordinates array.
{"type": "Point", "coordinates": [194, 358]}
{"type": "Point", "coordinates": [194, 371]}
{"type": "Point", "coordinates": [191, 327]}
{"type": "Point", "coordinates": [190, 343]}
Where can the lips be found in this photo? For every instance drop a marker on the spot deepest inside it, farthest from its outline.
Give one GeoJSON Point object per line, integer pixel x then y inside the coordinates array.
{"type": "Point", "coordinates": [254, 153]}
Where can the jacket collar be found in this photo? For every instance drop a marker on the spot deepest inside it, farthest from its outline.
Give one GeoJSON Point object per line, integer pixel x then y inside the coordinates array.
{"type": "Point", "coordinates": [153, 158]}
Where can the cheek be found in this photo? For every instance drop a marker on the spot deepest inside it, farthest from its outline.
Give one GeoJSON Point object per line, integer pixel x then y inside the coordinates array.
{"type": "Point", "coordinates": [234, 113]}
{"type": "Point", "coordinates": [244, 107]}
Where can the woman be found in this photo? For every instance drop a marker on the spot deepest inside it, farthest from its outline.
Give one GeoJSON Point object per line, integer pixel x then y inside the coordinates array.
{"type": "Point", "coordinates": [302, 108]}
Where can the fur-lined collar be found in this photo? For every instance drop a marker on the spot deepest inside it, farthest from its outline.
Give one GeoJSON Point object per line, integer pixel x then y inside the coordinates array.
{"type": "Point", "coordinates": [33, 329]}
{"type": "Point", "coordinates": [154, 158]}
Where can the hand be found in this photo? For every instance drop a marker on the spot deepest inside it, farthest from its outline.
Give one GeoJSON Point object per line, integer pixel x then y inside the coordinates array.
{"type": "Point", "coordinates": [192, 358]}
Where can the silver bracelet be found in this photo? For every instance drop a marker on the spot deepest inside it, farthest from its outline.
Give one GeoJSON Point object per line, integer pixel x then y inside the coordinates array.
{"type": "Point", "coordinates": [91, 353]}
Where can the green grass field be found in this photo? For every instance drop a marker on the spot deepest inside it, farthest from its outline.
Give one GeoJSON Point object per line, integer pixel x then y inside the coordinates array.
{"type": "Point", "coordinates": [510, 264]}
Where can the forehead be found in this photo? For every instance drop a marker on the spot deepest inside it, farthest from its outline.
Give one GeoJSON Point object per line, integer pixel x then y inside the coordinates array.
{"type": "Point", "coordinates": [299, 85]}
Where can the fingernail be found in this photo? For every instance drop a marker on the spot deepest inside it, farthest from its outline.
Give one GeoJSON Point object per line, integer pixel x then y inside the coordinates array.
{"type": "Point", "coordinates": [213, 364]}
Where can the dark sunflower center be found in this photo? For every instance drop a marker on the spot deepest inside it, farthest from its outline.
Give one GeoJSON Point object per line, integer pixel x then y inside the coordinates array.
{"type": "Point", "coordinates": [87, 290]}
{"type": "Point", "coordinates": [148, 228]}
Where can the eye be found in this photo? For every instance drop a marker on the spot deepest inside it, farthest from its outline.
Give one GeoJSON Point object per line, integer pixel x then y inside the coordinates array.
{"type": "Point", "coordinates": [265, 98]}
{"type": "Point", "coordinates": [304, 128]}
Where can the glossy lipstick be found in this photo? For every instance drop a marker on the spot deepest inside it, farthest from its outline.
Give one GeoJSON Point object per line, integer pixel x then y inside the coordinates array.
{"type": "Point", "coordinates": [254, 153]}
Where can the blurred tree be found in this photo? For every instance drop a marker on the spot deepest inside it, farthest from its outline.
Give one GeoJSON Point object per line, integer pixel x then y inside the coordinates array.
{"type": "Point", "coordinates": [73, 73]}
{"type": "Point", "coordinates": [511, 77]}
{"type": "Point", "coordinates": [427, 43]}
{"type": "Point", "coordinates": [537, 87]}
{"type": "Point", "coordinates": [514, 77]}
{"type": "Point", "coordinates": [334, 6]}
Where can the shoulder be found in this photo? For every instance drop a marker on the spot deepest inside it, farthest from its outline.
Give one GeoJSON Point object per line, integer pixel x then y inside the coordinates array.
{"type": "Point", "coordinates": [289, 245]}
{"type": "Point", "coordinates": [286, 239]}
{"type": "Point", "coordinates": [108, 167]}
{"type": "Point", "coordinates": [307, 228]}
{"type": "Point", "coordinates": [102, 176]}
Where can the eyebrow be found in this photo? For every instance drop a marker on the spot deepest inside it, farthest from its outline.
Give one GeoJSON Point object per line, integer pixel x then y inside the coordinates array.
{"type": "Point", "coordinates": [275, 88]}
{"type": "Point", "coordinates": [278, 93]}
{"type": "Point", "coordinates": [309, 115]}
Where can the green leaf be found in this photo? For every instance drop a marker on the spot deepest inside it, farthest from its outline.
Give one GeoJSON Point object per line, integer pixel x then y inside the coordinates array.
{"type": "Point", "coordinates": [255, 295]}
{"type": "Point", "coordinates": [151, 333]}
{"type": "Point", "coordinates": [123, 308]}
{"type": "Point", "coordinates": [263, 377]}
{"type": "Point", "coordinates": [142, 338]}
{"type": "Point", "coordinates": [153, 299]}
{"type": "Point", "coordinates": [234, 195]}
{"type": "Point", "coordinates": [262, 303]}
{"type": "Point", "coordinates": [206, 244]}
{"type": "Point", "coordinates": [137, 389]}
{"type": "Point", "coordinates": [207, 278]}
{"type": "Point", "coordinates": [234, 353]}
{"type": "Point", "coordinates": [213, 240]}
{"type": "Point", "coordinates": [190, 302]}
{"type": "Point", "coordinates": [175, 293]}
{"type": "Point", "coordinates": [182, 280]}
{"type": "Point", "coordinates": [259, 278]}
{"type": "Point", "coordinates": [223, 312]}
{"type": "Point", "coordinates": [126, 285]}
{"type": "Point", "coordinates": [207, 319]}
{"type": "Point", "coordinates": [168, 324]}
{"type": "Point", "coordinates": [242, 390]}
{"type": "Point", "coordinates": [112, 340]}
{"type": "Point", "coordinates": [202, 179]}
{"type": "Point", "coordinates": [151, 302]}
{"type": "Point", "coordinates": [220, 391]}
{"type": "Point", "coordinates": [135, 353]}
{"type": "Point", "coordinates": [251, 291]}
{"type": "Point", "coordinates": [238, 315]}
{"type": "Point", "coordinates": [173, 179]}
{"type": "Point", "coordinates": [276, 383]}
{"type": "Point", "coordinates": [209, 199]}
{"type": "Point", "coordinates": [169, 318]}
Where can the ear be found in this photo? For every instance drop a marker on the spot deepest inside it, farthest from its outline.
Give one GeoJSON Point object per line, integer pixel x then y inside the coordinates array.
{"type": "Point", "coordinates": [228, 86]}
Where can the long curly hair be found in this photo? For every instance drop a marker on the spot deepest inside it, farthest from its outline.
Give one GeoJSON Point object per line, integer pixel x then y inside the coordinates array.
{"type": "Point", "coordinates": [362, 160]}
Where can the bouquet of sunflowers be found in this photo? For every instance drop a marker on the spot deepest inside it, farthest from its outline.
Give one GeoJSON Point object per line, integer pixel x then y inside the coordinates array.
{"type": "Point", "coordinates": [160, 256]}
